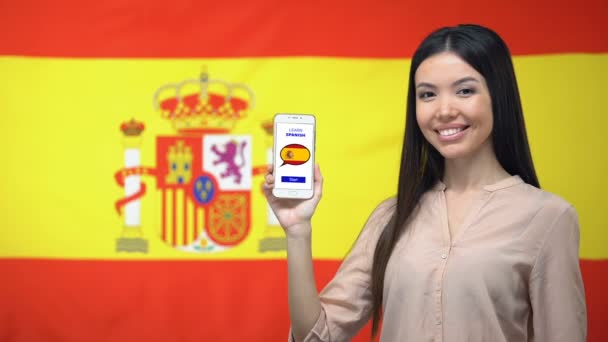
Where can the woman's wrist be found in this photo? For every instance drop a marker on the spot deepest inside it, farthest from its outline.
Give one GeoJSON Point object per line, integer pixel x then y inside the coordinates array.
{"type": "Point", "coordinates": [299, 231]}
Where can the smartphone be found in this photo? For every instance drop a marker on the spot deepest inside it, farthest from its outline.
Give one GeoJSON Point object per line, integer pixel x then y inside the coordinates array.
{"type": "Point", "coordinates": [294, 155]}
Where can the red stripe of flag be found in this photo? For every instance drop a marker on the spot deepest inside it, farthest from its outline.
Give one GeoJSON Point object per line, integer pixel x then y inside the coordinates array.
{"type": "Point", "coordinates": [164, 215]}
{"type": "Point", "coordinates": [185, 217]}
{"type": "Point", "coordinates": [354, 28]}
{"type": "Point", "coordinates": [174, 216]}
{"type": "Point", "coordinates": [195, 223]}
{"type": "Point", "coordinates": [42, 300]}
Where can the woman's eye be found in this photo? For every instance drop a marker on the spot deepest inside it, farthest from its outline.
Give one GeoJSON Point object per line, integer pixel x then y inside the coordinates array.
{"type": "Point", "coordinates": [466, 91]}
{"type": "Point", "coordinates": [425, 95]}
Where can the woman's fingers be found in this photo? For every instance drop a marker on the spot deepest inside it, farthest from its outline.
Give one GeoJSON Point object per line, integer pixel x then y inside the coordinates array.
{"type": "Point", "coordinates": [267, 189]}
{"type": "Point", "coordinates": [268, 181]}
{"type": "Point", "coordinates": [269, 178]}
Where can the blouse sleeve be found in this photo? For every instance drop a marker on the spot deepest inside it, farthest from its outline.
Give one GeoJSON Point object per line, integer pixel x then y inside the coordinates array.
{"type": "Point", "coordinates": [556, 287]}
{"type": "Point", "coordinates": [346, 300]}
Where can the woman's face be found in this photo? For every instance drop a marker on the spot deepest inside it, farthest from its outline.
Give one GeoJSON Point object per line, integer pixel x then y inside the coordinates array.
{"type": "Point", "coordinates": [453, 106]}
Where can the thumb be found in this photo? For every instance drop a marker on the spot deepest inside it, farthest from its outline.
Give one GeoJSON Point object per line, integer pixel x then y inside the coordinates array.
{"type": "Point", "coordinates": [318, 185]}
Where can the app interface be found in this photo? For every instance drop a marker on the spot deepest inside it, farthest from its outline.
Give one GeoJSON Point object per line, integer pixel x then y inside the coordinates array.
{"type": "Point", "coordinates": [293, 153]}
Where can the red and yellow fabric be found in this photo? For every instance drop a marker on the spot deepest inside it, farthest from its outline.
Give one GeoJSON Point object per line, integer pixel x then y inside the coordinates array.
{"type": "Point", "coordinates": [73, 72]}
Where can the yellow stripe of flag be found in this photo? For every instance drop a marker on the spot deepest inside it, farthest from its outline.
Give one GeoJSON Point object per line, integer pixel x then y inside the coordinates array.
{"type": "Point", "coordinates": [62, 144]}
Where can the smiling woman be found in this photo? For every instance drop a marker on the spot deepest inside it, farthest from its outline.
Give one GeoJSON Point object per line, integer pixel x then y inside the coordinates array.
{"type": "Point", "coordinates": [471, 248]}
{"type": "Point", "coordinates": [467, 160]}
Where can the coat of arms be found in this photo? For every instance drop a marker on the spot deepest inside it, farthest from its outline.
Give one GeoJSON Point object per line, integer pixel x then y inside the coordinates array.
{"type": "Point", "coordinates": [204, 172]}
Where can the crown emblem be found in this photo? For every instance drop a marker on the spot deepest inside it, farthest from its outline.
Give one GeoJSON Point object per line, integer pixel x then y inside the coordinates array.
{"type": "Point", "coordinates": [132, 128]}
{"type": "Point", "coordinates": [203, 105]}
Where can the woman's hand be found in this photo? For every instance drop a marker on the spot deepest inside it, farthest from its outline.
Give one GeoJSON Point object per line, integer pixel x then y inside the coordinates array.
{"type": "Point", "coordinates": [294, 214]}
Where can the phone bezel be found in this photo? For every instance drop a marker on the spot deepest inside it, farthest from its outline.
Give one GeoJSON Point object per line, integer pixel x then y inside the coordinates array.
{"type": "Point", "coordinates": [302, 119]}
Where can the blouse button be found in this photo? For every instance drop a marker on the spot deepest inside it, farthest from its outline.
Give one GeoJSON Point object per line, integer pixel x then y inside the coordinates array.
{"type": "Point", "coordinates": [443, 256]}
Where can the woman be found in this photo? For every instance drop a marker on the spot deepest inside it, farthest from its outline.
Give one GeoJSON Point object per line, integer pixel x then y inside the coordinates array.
{"type": "Point", "coordinates": [471, 249]}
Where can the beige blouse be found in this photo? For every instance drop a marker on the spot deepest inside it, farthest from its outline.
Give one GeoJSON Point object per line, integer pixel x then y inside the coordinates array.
{"type": "Point", "coordinates": [510, 274]}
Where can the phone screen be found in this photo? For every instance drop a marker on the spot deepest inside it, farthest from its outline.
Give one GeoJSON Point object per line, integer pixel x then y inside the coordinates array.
{"type": "Point", "coordinates": [293, 155]}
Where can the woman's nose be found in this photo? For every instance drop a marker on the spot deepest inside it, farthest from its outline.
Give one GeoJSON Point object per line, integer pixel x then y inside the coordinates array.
{"type": "Point", "coordinates": [446, 109]}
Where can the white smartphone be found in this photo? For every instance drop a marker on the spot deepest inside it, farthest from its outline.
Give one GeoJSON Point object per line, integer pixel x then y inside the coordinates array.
{"type": "Point", "coordinates": [294, 155]}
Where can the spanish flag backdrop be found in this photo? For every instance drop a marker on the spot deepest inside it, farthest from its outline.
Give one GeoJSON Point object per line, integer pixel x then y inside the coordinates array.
{"type": "Point", "coordinates": [134, 135]}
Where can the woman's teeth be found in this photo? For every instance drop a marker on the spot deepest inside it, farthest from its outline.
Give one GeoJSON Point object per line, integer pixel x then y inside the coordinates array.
{"type": "Point", "coordinates": [450, 131]}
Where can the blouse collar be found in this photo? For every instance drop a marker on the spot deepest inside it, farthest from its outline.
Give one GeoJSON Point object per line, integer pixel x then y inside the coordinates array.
{"type": "Point", "coordinates": [501, 184]}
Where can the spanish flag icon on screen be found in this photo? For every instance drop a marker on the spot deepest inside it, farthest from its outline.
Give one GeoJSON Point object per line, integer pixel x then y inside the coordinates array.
{"type": "Point", "coordinates": [294, 154]}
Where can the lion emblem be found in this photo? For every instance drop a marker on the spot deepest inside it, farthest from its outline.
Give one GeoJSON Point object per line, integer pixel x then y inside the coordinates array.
{"type": "Point", "coordinates": [228, 157]}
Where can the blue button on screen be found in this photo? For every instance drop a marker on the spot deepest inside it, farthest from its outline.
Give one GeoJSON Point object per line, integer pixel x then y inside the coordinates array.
{"type": "Point", "coordinates": [290, 179]}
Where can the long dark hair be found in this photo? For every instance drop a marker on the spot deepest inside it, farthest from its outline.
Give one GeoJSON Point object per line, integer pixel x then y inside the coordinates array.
{"type": "Point", "coordinates": [422, 165]}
